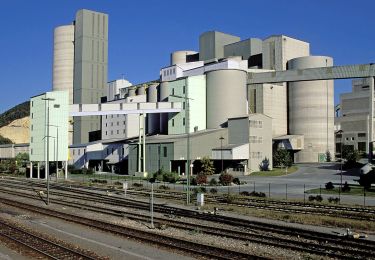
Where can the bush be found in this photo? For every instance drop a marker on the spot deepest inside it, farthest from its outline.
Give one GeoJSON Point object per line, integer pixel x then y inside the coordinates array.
{"type": "Point", "coordinates": [99, 181]}
{"type": "Point", "coordinates": [329, 186]}
{"type": "Point", "coordinates": [317, 198]}
{"type": "Point", "coordinates": [328, 156]}
{"type": "Point", "coordinates": [282, 158]}
{"type": "Point", "coordinates": [162, 175]}
{"type": "Point", "coordinates": [333, 200]}
{"type": "Point", "coordinates": [346, 187]}
{"type": "Point", "coordinates": [257, 194]}
{"type": "Point", "coordinates": [213, 182]}
{"type": "Point", "coordinates": [137, 185]}
{"type": "Point", "coordinates": [213, 191]}
{"type": "Point", "coordinates": [164, 187]}
{"type": "Point", "coordinates": [201, 179]}
{"type": "Point", "coordinates": [197, 190]}
{"type": "Point", "coordinates": [229, 198]}
{"type": "Point", "coordinates": [264, 165]}
{"type": "Point", "coordinates": [193, 181]}
{"type": "Point", "coordinates": [117, 183]}
{"type": "Point", "coordinates": [225, 179]}
{"type": "Point", "coordinates": [236, 181]}
{"type": "Point", "coordinates": [245, 193]}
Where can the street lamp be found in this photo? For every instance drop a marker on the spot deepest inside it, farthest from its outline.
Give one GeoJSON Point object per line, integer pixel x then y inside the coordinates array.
{"type": "Point", "coordinates": [187, 130]}
{"type": "Point", "coordinates": [47, 148]}
{"type": "Point", "coordinates": [221, 153]}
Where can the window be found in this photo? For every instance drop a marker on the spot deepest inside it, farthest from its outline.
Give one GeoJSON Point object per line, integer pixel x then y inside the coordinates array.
{"type": "Point", "coordinates": [165, 151]}
{"type": "Point", "coordinates": [32, 115]}
{"type": "Point", "coordinates": [256, 124]}
{"type": "Point", "coordinates": [362, 146]}
{"type": "Point", "coordinates": [73, 152]}
{"type": "Point", "coordinates": [124, 131]}
{"type": "Point", "coordinates": [183, 105]}
{"type": "Point", "coordinates": [117, 131]}
{"type": "Point", "coordinates": [183, 89]}
{"type": "Point", "coordinates": [174, 70]}
{"type": "Point", "coordinates": [31, 151]}
{"type": "Point", "coordinates": [172, 122]}
{"type": "Point", "coordinates": [111, 123]}
{"type": "Point", "coordinates": [124, 123]}
{"type": "Point", "coordinates": [172, 91]}
{"type": "Point", "coordinates": [32, 139]}
{"type": "Point", "coordinates": [118, 123]}
{"type": "Point", "coordinates": [106, 133]}
{"type": "Point", "coordinates": [113, 149]}
{"type": "Point", "coordinates": [352, 138]}
{"type": "Point", "coordinates": [107, 151]}
{"type": "Point", "coordinates": [183, 121]}
{"type": "Point", "coordinates": [32, 127]}
{"type": "Point", "coordinates": [123, 151]}
{"type": "Point", "coordinates": [79, 151]}
{"type": "Point", "coordinates": [361, 134]}
{"type": "Point", "coordinates": [84, 151]}
{"type": "Point", "coordinates": [106, 124]}
{"type": "Point", "coordinates": [111, 132]}
{"type": "Point", "coordinates": [106, 117]}
{"type": "Point", "coordinates": [32, 103]}
{"type": "Point", "coordinates": [111, 116]}
{"type": "Point", "coordinates": [347, 139]}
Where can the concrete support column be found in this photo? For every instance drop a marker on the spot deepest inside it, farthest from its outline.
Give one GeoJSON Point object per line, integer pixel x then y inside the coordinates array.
{"type": "Point", "coordinates": [38, 170]}
{"type": "Point", "coordinates": [66, 170]}
{"type": "Point", "coordinates": [31, 170]}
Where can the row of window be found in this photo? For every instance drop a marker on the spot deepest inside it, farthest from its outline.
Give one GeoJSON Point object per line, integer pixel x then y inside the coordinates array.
{"type": "Point", "coordinates": [256, 139]}
{"type": "Point", "coordinates": [183, 90]}
{"type": "Point", "coordinates": [112, 116]}
{"type": "Point", "coordinates": [256, 123]}
{"type": "Point", "coordinates": [168, 72]}
{"type": "Point", "coordinates": [183, 122]}
{"type": "Point", "coordinates": [256, 155]}
{"type": "Point", "coordinates": [118, 132]}
{"type": "Point", "coordinates": [117, 123]}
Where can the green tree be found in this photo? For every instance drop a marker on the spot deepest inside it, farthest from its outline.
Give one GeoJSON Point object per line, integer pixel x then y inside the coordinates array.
{"type": "Point", "coordinates": [328, 156]}
{"type": "Point", "coordinates": [282, 158]}
{"type": "Point", "coordinates": [207, 167]}
{"type": "Point", "coordinates": [22, 159]}
{"type": "Point", "coordinates": [4, 140]}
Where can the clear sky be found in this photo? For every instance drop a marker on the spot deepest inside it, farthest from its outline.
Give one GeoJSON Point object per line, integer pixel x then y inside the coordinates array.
{"type": "Point", "coordinates": [142, 34]}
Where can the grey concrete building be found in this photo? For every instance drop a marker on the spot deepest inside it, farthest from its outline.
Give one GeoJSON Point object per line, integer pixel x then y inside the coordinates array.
{"type": "Point", "coordinates": [245, 49]}
{"type": "Point", "coordinates": [90, 68]}
{"type": "Point", "coordinates": [211, 44]}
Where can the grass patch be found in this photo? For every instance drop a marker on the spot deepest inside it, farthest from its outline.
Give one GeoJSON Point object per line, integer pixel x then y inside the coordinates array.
{"type": "Point", "coordinates": [354, 191]}
{"type": "Point", "coordinates": [308, 219]}
{"type": "Point", "coordinates": [275, 172]}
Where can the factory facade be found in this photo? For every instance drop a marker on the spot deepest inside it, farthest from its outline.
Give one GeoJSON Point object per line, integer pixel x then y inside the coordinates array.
{"type": "Point", "coordinates": [223, 116]}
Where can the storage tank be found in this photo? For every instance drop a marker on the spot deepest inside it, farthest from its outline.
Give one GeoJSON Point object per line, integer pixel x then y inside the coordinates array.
{"type": "Point", "coordinates": [226, 96]}
{"type": "Point", "coordinates": [153, 120]}
{"type": "Point", "coordinates": [163, 97]}
{"type": "Point", "coordinates": [131, 92]}
{"type": "Point", "coordinates": [63, 59]}
{"type": "Point", "coordinates": [141, 90]}
{"type": "Point", "coordinates": [311, 111]}
{"type": "Point", "coordinates": [178, 57]}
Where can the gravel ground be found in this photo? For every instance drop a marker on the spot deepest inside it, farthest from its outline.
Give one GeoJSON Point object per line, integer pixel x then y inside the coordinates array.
{"type": "Point", "coordinates": [254, 248]}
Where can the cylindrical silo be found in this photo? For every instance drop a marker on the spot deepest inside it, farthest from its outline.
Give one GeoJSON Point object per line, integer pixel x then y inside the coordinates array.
{"type": "Point", "coordinates": [226, 96]}
{"type": "Point", "coordinates": [153, 120]}
{"type": "Point", "coordinates": [311, 110]}
{"type": "Point", "coordinates": [131, 92]}
{"type": "Point", "coordinates": [141, 90]}
{"type": "Point", "coordinates": [63, 59]}
{"type": "Point", "coordinates": [163, 97]}
{"type": "Point", "coordinates": [179, 57]}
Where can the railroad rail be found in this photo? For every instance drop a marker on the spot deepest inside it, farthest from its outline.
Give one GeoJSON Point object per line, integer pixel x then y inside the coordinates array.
{"type": "Point", "coordinates": [42, 246]}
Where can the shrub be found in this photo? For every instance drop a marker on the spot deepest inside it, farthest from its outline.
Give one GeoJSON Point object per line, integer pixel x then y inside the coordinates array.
{"type": "Point", "coordinates": [229, 198]}
{"type": "Point", "coordinates": [117, 183]}
{"type": "Point", "coordinates": [164, 187]}
{"type": "Point", "coordinates": [213, 182]}
{"type": "Point", "coordinates": [265, 164]}
{"type": "Point", "coordinates": [328, 156]}
{"type": "Point", "coordinates": [171, 177]}
{"type": "Point", "coordinates": [245, 193]}
{"type": "Point", "coordinates": [329, 186]}
{"type": "Point", "coordinates": [213, 191]}
{"type": "Point", "coordinates": [311, 198]}
{"type": "Point", "coordinates": [257, 194]}
{"type": "Point", "coordinates": [197, 190]}
{"type": "Point", "coordinates": [317, 198]}
{"type": "Point", "coordinates": [137, 185]}
{"type": "Point", "coordinates": [207, 166]}
{"type": "Point", "coordinates": [346, 187]}
{"type": "Point", "coordinates": [201, 179]}
{"type": "Point", "coordinates": [193, 181]}
{"type": "Point", "coordinates": [333, 200]}
{"type": "Point", "coordinates": [99, 181]}
{"type": "Point", "coordinates": [282, 158]}
{"type": "Point", "coordinates": [225, 179]}
{"type": "Point", "coordinates": [236, 181]}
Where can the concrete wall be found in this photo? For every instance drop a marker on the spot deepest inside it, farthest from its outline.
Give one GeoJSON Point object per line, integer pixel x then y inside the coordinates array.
{"type": "Point", "coordinates": [90, 68]}
{"type": "Point", "coordinates": [311, 110]}
{"type": "Point", "coordinates": [179, 57]}
{"type": "Point", "coordinates": [9, 151]}
{"type": "Point", "coordinates": [245, 48]}
{"type": "Point", "coordinates": [211, 44]}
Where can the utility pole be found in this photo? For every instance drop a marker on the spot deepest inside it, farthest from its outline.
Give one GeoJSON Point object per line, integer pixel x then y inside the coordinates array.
{"type": "Point", "coordinates": [221, 153]}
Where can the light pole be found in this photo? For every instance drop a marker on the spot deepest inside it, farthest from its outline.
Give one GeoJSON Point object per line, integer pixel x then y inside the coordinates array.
{"type": "Point", "coordinates": [47, 148]}
{"type": "Point", "coordinates": [221, 153]}
{"type": "Point", "coordinates": [342, 139]}
{"type": "Point", "coordinates": [187, 130]}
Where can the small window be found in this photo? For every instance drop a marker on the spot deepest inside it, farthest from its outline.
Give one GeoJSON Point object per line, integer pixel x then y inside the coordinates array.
{"type": "Point", "coordinates": [113, 149]}
{"type": "Point", "coordinates": [107, 151]}
{"type": "Point", "coordinates": [111, 116]}
{"type": "Point", "coordinates": [183, 89]}
{"type": "Point", "coordinates": [124, 123]}
{"type": "Point", "coordinates": [32, 139]}
{"type": "Point", "coordinates": [172, 122]}
{"type": "Point", "coordinates": [73, 152]}
{"type": "Point", "coordinates": [118, 123]}
{"type": "Point", "coordinates": [32, 115]}
{"type": "Point", "coordinates": [111, 123]}
{"type": "Point", "coordinates": [32, 103]}
{"type": "Point", "coordinates": [174, 70]}
{"type": "Point", "coordinates": [165, 151]}
{"type": "Point", "coordinates": [347, 138]}
{"type": "Point", "coordinates": [32, 127]}
{"type": "Point", "coordinates": [183, 105]}
{"type": "Point", "coordinates": [31, 151]}
{"type": "Point", "coordinates": [79, 151]}
{"type": "Point", "coordinates": [352, 138]}
{"type": "Point", "coordinates": [106, 117]}
{"type": "Point", "coordinates": [111, 132]}
{"type": "Point", "coordinates": [117, 131]}
{"type": "Point", "coordinates": [106, 124]}
{"type": "Point", "coordinates": [106, 133]}
{"type": "Point", "coordinates": [183, 121]}
{"type": "Point", "coordinates": [124, 131]}
{"type": "Point", "coordinates": [172, 91]}
{"type": "Point", "coordinates": [123, 151]}
{"type": "Point", "coordinates": [361, 134]}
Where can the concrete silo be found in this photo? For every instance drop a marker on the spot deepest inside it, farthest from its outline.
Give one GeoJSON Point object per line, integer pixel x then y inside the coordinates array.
{"type": "Point", "coordinates": [163, 97]}
{"type": "Point", "coordinates": [311, 110]}
{"type": "Point", "coordinates": [63, 59]}
{"type": "Point", "coordinates": [141, 91]}
{"type": "Point", "coordinates": [179, 57]}
{"type": "Point", "coordinates": [226, 96]}
{"type": "Point", "coordinates": [132, 92]}
{"type": "Point", "coordinates": [153, 120]}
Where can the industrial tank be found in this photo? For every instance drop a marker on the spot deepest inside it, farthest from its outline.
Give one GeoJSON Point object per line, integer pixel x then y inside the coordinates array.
{"type": "Point", "coordinates": [311, 110]}
{"type": "Point", "coordinates": [131, 92]}
{"type": "Point", "coordinates": [163, 97]}
{"type": "Point", "coordinates": [179, 57]}
{"type": "Point", "coordinates": [141, 90]}
{"type": "Point", "coordinates": [153, 120]}
{"type": "Point", "coordinates": [226, 96]}
{"type": "Point", "coordinates": [63, 59]}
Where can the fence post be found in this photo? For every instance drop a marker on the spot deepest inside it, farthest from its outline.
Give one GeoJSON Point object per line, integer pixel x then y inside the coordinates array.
{"type": "Point", "coordinates": [269, 190]}
{"type": "Point", "coordinates": [286, 191]}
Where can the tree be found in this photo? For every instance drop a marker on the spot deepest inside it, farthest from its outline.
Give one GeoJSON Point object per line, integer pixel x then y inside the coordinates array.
{"type": "Point", "coordinates": [22, 159]}
{"type": "Point", "coordinates": [225, 179]}
{"type": "Point", "coordinates": [207, 166]}
{"type": "Point", "coordinates": [350, 155]}
{"type": "Point", "coordinates": [328, 156]}
{"type": "Point", "coordinates": [201, 179]}
{"type": "Point", "coordinates": [282, 158]}
{"type": "Point", "coordinates": [4, 140]}
{"type": "Point", "coordinates": [265, 164]}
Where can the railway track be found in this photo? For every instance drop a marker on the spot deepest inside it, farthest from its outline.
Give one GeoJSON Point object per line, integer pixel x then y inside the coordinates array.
{"type": "Point", "coordinates": [354, 213]}
{"type": "Point", "coordinates": [321, 245]}
{"type": "Point", "coordinates": [41, 246]}
{"type": "Point", "coordinates": [193, 248]}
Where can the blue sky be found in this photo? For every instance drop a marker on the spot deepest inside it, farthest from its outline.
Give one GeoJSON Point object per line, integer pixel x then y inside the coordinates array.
{"type": "Point", "coordinates": [142, 34]}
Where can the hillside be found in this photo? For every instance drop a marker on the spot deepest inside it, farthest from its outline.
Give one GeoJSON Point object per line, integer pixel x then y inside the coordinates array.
{"type": "Point", "coordinates": [17, 112]}
{"type": "Point", "coordinates": [14, 124]}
